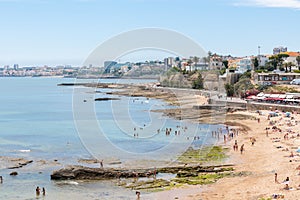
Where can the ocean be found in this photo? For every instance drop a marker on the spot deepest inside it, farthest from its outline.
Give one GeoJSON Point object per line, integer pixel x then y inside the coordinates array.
{"type": "Point", "coordinates": [44, 122]}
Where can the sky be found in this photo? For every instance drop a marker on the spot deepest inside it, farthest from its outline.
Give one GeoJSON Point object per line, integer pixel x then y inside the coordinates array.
{"type": "Point", "coordinates": [50, 32]}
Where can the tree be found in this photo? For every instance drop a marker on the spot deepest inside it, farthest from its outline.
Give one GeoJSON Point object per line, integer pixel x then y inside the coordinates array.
{"type": "Point", "coordinates": [229, 89]}
{"type": "Point", "coordinates": [276, 60]}
{"type": "Point", "coordinates": [195, 59]}
{"type": "Point", "coordinates": [287, 66]}
{"type": "Point", "coordinates": [298, 61]}
{"type": "Point", "coordinates": [198, 83]}
{"type": "Point", "coordinates": [205, 60]}
{"type": "Point", "coordinates": [242, 86]}
{"type": "Point", "coordinates": [290, 65]}
{"type": "Point", "coordinates": [225, 63]}
{"type": "Point", "coordinates": [209, 53]}
{"type": "Point", "coordinates": [255, 63]}
{"type": "Point", "coordinates": [189, 62]}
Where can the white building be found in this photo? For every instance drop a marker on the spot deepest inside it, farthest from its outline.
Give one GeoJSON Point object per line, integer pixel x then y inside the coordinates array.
{"type": "Point", "coordinates": [262, 60]}
{"type": "Point", "coordinates": [244, 65]}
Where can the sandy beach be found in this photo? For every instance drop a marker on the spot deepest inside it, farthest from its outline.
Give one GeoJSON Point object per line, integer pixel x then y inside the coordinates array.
{"type": "Point", "coordinates": [268, 155]}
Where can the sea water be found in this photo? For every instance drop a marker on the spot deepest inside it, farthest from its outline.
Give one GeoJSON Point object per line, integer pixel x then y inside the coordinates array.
{"type": "Point", "coordinates": [37, 122]}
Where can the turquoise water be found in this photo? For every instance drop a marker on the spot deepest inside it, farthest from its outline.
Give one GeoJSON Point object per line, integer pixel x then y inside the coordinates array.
{"type": "Point", "coordinates": [37, 115]}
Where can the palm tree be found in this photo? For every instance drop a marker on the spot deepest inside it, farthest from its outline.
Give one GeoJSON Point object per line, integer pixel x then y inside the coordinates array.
{"type": "Point", "coordinates": [205, 60]}
{"type": "Point", "coordinates": [290, 65]}
{"type": "Point", "coordinates": [298, 61]}
{"type": "Point", "coordinates": [277, 60]}
{"type": "Point", "coordinates": [195, 59]}
{"type": "Point", "coordinates": [287, 65]}
{"type": "Point", "coordinates": [189, 62]}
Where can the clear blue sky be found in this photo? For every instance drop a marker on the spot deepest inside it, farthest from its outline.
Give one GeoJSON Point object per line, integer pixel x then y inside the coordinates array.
{"type": "Point", "coordinates": [66, 31]}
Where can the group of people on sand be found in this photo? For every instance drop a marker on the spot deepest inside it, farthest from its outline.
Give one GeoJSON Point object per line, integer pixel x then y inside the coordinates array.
{"type": "Point", "coordinates": [287, 134]}
{"type": "Point", "coordinates": [236, 147]}
{"type": "Point", "coordinates": [38, 191]}
{"type": "Point", "coordinates": [286, 182]}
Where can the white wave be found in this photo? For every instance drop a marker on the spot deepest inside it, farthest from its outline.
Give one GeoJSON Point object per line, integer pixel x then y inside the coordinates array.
{"type": "Point", "coordinates": [24, 150]}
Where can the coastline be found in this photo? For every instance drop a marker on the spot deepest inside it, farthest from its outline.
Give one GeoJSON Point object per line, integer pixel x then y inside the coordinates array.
{"type": "Point", "coordinates": [261, 160]}
{"type": "Point", "coordinates": [263, 148]}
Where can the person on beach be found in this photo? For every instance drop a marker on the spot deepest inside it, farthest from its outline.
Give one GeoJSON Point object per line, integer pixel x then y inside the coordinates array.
{"type": "Point", "coordinates": [235, 146]}
{"type": "Point", "coordinates": [136, 176]}
{"type": "Point", "coordinates": [37, 191]}
{"type": "Point", "coordinates": [138, 194]}
{"type": "Point", "coordinates": [101, 163]}
{"type": "Point", "coordinates": [287, 180]}
{"type": "Point", "coordinates": [286, 187]}
{"type": "Point", "coordinates": [276, 180]}
{"type": "Point", "coordinates": [242, 149]}
{"type": "Point", "coordinates": [44, 191]}
{"type": "Point", "coordinates": [154, 173]}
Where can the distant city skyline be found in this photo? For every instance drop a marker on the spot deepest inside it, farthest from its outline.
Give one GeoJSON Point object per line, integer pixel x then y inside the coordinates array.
{"type": "Point", "coordinates": [44, 32]}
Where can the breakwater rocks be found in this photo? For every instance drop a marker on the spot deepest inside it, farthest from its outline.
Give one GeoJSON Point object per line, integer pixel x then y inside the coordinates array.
{"type": "Point", "coordinates": [21, 164]}
{"type": "Point", "coordinates": [106, 99]}
{"type": "Point", "coordinates": [13, 163]}
{"type": "Point", "coordinates": [87, 173]}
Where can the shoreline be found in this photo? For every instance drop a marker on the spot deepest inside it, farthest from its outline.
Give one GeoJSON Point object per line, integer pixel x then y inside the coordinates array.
{"type": "Point", "coordinates": [262, 160]}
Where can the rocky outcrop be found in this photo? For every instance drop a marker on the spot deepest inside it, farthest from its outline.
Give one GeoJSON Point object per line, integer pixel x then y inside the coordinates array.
{"type": "Point", "coordinates": [106, 99]}
{"type": "Point", "coordinates": [82, 173]}
{"type": "Point", "coordinates": [16, 163]}
{"type": "Point", "coordinates": [21, 164]}
{"type": "Point", "coordinates": [13, 173]}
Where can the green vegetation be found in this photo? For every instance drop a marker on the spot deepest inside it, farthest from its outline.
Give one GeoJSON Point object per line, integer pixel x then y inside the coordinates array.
{"type": "Point", "coordinates": [202, 179]}
{"type": "Point", "coordinates": [296, 71]}
{"type": "Point", "coordinates": [287, 67]}
{"type": "Point", "coordinates": [229, 89]}
{"type": "Point", "coordinates": [206, 154]}
{"type": "Point", "coordinates": [175, 77]}
{"type": "Point", "coordinates": [225, 63]}
{"type": "Point", "coordinates": [261, 70]}
{"type": "Point", "coordinates": [198, 82]}
{"type": "Point", "coordinates": [241, 86]}
{"type": "Point", "coordinates": [149, 184]}
{"type": "Point", "coordinates": [277, 60]}
{"type": "Point", "coordinates": [298, 61]}
{"type": "Point", "coordinates": [255, 63]}
{"type": "Point", "coordinates": [222, 71]}
{"type": "Point", "coordinates": [281, 89]}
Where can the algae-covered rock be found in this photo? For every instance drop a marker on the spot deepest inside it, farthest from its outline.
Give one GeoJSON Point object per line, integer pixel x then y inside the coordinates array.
{"type": "Point", "coordinates": [149, 184]}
